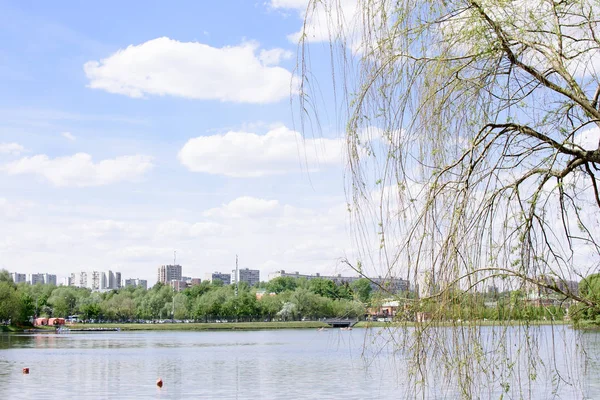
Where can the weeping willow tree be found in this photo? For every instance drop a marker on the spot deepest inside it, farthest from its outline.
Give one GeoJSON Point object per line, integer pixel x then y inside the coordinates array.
{"type": "Point", "coordinates": [472, 131]}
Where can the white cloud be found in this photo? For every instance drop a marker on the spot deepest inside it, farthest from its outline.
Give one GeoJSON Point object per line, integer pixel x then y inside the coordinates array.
{"type": "Point", "coordinates": [588, 139]}
{"type": "Point", "coordinates": [11, 148]}
{"type": "Point", "coordinates": [295, 4]}
{"type": "Point", "coordinates": [13, 210]}
{"type": "Point", "coordinates": [193, 70]}
{"type": "Point", "coordinates": [186, 230]}
{"type": "Point", "coordinates": [243, 154]}
{"type": "Point", "coordinates": [274, 56]}
{"type": "Point", "coordinates": [325, 20]}
{"type": "Point", "coordinates": [79, 170]}
{"type": "Point", "coordinates": [245, 206]}
{"type": "Point", "coordinates": [68, 136]}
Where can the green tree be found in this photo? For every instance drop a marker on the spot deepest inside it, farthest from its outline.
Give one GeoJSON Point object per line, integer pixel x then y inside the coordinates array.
{"type": "Point", "coordinates": [269, 306]}
{"type": "Point", "coordinates": [471, 133]}
{"type": "Point", "coordinates": [9, 302]}
{"type": "Point", "coordinates": [281, 284]}
{"type": "Point", "coordinates": [63, 301]}
{"type": "Point", "coordinates": [362, 289]}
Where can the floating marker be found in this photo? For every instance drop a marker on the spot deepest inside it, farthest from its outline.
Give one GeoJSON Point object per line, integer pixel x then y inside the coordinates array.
{"type": "Point", "coordinates": [25, 371]}
{"type": "Point", "coordinates": [159, 382]}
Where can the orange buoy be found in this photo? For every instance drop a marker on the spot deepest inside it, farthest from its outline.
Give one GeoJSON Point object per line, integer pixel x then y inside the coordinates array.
{"type": "Point", "coordinates": [25, 370]}
{"type": "Point", "coordinates": [159, 382]}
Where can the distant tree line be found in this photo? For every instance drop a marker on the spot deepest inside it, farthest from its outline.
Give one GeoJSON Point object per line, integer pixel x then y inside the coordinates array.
{"type": "Point", "coordinates": [283, 298]}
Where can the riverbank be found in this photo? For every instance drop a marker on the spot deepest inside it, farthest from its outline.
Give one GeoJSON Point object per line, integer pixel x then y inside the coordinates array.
{"type": "Point", "coordinates": [199, 326]}
{"type": "Point", "coordinates": [377, 324]}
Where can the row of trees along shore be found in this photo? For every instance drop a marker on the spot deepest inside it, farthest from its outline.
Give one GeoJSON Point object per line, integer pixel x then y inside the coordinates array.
{"type": "Point", "coordinates": [284, 299]}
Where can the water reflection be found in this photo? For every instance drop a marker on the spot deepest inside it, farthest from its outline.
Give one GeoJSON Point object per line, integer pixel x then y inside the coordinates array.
{"type": "Point", "coordinates": [296, 364]}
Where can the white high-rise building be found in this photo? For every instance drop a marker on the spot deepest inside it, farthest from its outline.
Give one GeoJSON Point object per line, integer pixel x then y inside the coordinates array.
{"type": "Point", "coordinates": [18, 278]}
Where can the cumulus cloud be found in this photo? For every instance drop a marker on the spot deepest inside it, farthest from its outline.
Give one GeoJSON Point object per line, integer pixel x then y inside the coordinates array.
{"type": "Point", "coordinates": [245, 206]}
{"type": "Point", "coordinates": [80, 170]}
{"type": "Point", "coordinates": [68, 136]}
{"type": "Point", "coordinates": [244, 154]}
{"type": "Point", "coordinates": [11, 148]}
{"type": "Point", "coordinates": [194, 70]}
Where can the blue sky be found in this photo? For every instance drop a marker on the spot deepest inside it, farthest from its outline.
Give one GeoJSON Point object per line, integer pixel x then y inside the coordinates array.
{"type": "Point", "coordinates": [130, 130]}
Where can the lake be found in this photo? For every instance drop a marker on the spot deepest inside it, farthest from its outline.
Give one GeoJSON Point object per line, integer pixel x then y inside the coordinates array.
{"type": "Point", "coordinates": [299, 364]}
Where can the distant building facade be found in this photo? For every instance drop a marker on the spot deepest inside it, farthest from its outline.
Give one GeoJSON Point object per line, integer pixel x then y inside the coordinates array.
{"type": "Point", "coordinates": [225, 278]}
{"type": "Point", "coordinates": [95, 280]}
{"type": "Point", "coordinates": [34, 279]}
{"type": "Point", "coordinates": [18, 278]}
{"type": "Point", "coordinates": [50, 279]}
{"type": "Point", "coordinates": [168, 273]}
{"type": "Point", "coordinates": [250, 276]}
{"type": "Point", "coordinates": [136, 283]}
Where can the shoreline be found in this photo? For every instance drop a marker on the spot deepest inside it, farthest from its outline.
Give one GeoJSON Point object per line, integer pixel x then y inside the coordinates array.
{"type": "Point", "coordinates": [254, 326]}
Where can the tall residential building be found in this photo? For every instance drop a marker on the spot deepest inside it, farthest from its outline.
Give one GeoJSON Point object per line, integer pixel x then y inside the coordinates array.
{"type": "Point", "coordinates": [168, 273]}
{"type": "Point", "coordinates": [34, 279]}
{"type": "Point", "coordinates": [79, 279]}
{"type": "Point", "coordinates": [50, 279]}
{"type": "Point", "coordinates": [250, 276]}
{"type": "Point", "coordinates": [136, 283]}
{"type": "Point", "coordinates": [110, 280]}
{"type": "Point", "coordinates": [18, 278]}
{"type": "Point", "coordinates": [225, 278]}
{"type": "Point", "coordinates": [118, 280]}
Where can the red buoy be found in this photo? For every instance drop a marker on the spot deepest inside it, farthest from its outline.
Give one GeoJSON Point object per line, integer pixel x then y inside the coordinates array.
{"type": "Point", "coordinates": [159, 382]}
{"type": "Point", "coordinates": [25, 370]}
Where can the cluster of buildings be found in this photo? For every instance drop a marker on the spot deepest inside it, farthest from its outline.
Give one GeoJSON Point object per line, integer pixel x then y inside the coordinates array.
{"type": "Point", "coordinates": [173, 275]}
{"type": "Point", "coordinates": [34, 279]}
{"type": "Point", "coordinates": [95, 280]}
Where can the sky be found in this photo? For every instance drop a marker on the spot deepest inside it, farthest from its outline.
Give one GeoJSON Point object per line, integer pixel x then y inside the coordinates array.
{"type": "Point", "coordinates": [131, 130]}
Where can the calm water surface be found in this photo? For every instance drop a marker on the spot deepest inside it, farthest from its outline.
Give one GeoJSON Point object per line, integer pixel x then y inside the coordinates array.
{"type": "Point", "coordinates": [282, 364]}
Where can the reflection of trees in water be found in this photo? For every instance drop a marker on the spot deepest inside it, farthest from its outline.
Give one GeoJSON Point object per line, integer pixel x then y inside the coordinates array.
{"type": "Point", "coordinates": [472, 132]}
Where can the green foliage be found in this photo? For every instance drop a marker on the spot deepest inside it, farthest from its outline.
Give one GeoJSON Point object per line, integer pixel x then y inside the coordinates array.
{"type": "Point", "coordinates": [281, 284]}
{"type": "Point", "coordinates": [362, 290]}
{"type": "Point", "coordinates": [286, 299]}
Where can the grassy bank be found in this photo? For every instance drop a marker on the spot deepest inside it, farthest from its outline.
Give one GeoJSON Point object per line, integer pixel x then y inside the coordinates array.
{"type": "Point", "coordinates": [9, 328]}
{"type": "Point", "coordinates": [207, 326]}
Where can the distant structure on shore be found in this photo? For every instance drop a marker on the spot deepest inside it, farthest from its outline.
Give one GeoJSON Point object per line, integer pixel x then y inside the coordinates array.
{"type": "Point", "coordinates": [169, 273]}
{"type": "Point", "coordinates": [225, 278]}
{"type": "Point", "coordinates": [95, 280]}
{"type": "Point", "coordinates": [250, 276]}
{"type": "Point", "coordinates": [136, 283]}
{"type": "Point", "coordinates": [388, 283]}
{"type": "Point", "coordinates": [34, 279]}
